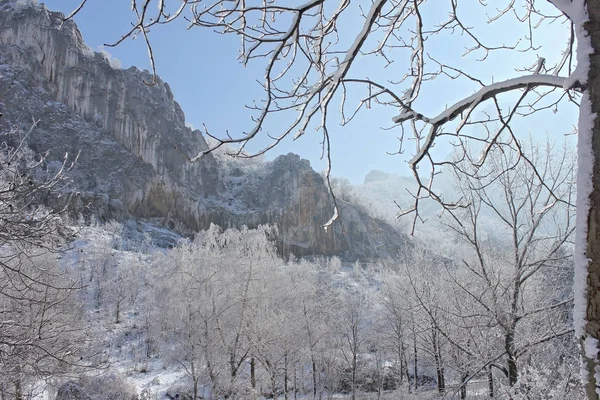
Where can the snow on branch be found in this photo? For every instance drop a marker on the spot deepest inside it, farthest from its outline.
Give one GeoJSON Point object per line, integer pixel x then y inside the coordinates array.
{"type": "Point", "coordinates": [566, 7]}
{"type": "Point", "coordinates": [485, 93]}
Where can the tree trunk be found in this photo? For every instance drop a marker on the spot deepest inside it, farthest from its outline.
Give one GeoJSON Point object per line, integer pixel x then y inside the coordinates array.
{"type": "Point", "coordinates": [195, 392]}
{"type": "Point", "coordinates": [148, 335]}
{"type": "Point", "coordinates": [463, 385]}
{"type": "Point", "coordinates": [118, 312]}
{"type": "Point", "coordinates": [295, 380]}
{"type": "Point", "coordinates": [354, 374]}
{"type": "Point", "coordinates": [253, 373]}
{"type": "Point", "coordinates": [406, 372]}
{"type": "Point", "coordinates": [285, 377]}
{"type": "Point", "coordinates": [509, 347]}
{"type": "Point", "coordinates": [18, 393]}
{"type": "Point", "coordinates": [400, 349]}
{"type": "Point", "coordinates": [490, 379]}
{"type": "Point", "coordinates": [314, 375]}
{"type": "Point", "coordinates": [591, 307]}
{"type": "Point", "coordinates": [212, 376]}
{"type": "Point", "coordinates": [194, 380]}
{"type": "Point", "coordinates": [400, 378]}
{"type": "Point", "coordinates": [415, 368]}
{"type": "Point", "coordinates": [380, 374]}
{"type": "Point", "coordinates": [439, 369]}
{"type": "Point", "coordinates": [273, 384]}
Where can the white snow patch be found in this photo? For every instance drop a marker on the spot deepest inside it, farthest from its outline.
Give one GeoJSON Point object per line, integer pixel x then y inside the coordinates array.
{"type": "Point", "coordinates": [155, 381]}
{"type": "Point", "coordinates": [22, 4]}
{"type": "Point", "coordinates": [112, 60]}
{"type": "Point", "coordinates": [577, 11]}
{"type": "Point", "coordinates": [590, 348]}
{"type": "Point", "coordinates": [584, 189]}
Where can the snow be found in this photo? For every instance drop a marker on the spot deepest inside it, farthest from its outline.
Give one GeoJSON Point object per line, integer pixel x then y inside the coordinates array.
{"type": "Point", "coordinates": [114, 62]}
{"type": "Point", "coordinates": [486, 93]}
{"type": "Point", "coordinates": [23, 4]}
{"type": "Point", "coordinates": [584, 189]}
{"type": "Point", "coordinates": [577, 11]}
{"type": "Point", "coordinates": [361, 37]}
{"type": "Point", "coordinates": [590, 349]}
{"type": "Point", "coordinates": [152, 376]}
{"type": "Point", "coordinates": [333, 218]}
{"type": "Point", "coordinates": [584, 46]}
{"type": "Point", "coordinates": [155, 380]}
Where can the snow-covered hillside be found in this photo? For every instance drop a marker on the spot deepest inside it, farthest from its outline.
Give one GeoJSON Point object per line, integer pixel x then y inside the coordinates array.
{"type": "Point", "coordinates": [223, 317]}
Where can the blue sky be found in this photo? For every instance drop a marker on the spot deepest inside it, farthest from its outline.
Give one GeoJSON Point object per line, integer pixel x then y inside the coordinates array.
{"type": "Point", "coordinates": [213, 88]}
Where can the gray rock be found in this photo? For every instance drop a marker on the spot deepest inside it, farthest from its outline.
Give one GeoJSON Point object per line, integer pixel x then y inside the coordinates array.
{"type": "Point", "coordinates": [133, 143]}
{"type": "Point", "coordinates": [126, 131]}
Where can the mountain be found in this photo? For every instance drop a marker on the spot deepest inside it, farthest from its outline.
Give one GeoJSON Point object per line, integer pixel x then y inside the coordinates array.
{"type": "Point", "coordinates": [383, 192]}
{"type": "Point", "coordinates": [132, 142]}
{"type": "Point", "coordinates": [128, 163]}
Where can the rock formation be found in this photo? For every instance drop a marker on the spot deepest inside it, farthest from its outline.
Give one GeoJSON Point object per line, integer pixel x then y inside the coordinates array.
{"type": "Point", "coordinates": [131, 138]}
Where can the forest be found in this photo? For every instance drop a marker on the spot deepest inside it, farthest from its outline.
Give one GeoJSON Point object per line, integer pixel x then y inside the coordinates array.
{"type": "Point", "coordinates": [142, 258]}
{"type": "Point", "coordinates": [92, 309]}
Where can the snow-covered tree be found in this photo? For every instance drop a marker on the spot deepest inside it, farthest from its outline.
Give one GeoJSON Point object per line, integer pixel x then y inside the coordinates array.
{"type": "Point", "coordinates": [392, 327]}
{"type": "Point", "coordinates": [534, 223]}
{"type": "Point", "coordinates": [41, 334]}
{"type": "Point", "coordinates": [315, 300]}
{"type": "Point", "coordinates": [211, 292]}
{"type": "Point", "coordinates": [351, 325]}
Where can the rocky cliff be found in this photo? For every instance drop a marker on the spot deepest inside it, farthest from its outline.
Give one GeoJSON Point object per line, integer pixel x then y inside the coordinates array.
{"type": "Point", "coordinates": [126, 133]}
{"type": "Point", "coordinates": [55, 66]}
{"type": "Point", "coordinates": [289, 193]}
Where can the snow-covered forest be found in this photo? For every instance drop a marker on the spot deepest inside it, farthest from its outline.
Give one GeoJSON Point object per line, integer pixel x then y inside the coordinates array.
{"type": "Point", "coordinates": [100, 311]}
{"type": "Point", "coordinates": [144, 259]}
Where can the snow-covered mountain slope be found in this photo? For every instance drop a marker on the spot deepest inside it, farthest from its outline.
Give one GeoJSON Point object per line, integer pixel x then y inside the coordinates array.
{"type": "Point", "coordinates": [385, 195]}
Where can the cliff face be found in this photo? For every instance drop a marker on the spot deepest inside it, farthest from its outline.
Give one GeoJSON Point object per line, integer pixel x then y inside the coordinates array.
{"type": "Point", "coordinates": [126, 132]}
{"type": "Point", "coordinates": [111, 103]}
{"type": "Point", "coordinates": [287, 192]}
{"type": "Point", "coordinates": [143, 119]}
{"type": "Point", "coordinates": [296, 195]}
